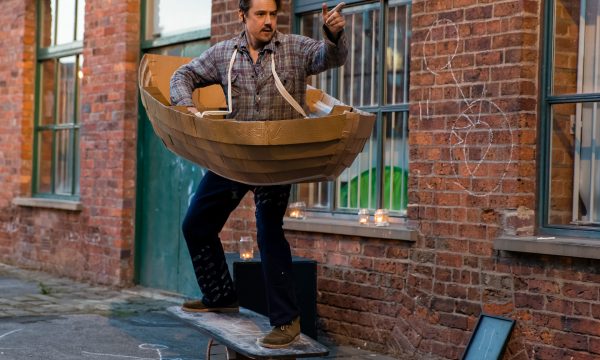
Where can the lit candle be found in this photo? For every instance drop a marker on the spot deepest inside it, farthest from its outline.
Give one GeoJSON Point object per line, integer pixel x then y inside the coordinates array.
{"type": "Point", "coordinates": [381, 217]}
{"type": "Point", "coordinates": [363, 216]}
{"type": "Point", "coordinates": [297, 210]}
{"type": "Point", "coordinates": [246, 248]}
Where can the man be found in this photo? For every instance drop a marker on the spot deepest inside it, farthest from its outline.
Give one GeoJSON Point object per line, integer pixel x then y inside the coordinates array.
{"type": "Point", "coordinates": [248, 67]}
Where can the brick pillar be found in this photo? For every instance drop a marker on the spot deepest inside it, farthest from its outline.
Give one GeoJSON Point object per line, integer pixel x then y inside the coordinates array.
{"type": "Point", "coordinates": [473, 113]}
{"type": "Point", "coordinates": [108, 135]}
{"type": "Point", "coordinates": [17, 24]}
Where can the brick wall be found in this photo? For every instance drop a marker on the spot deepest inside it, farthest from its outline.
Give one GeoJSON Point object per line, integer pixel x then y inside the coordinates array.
{"type": "Point", "coordinates": [17, 23]}
{"type": "Point", "coordinates": [96, 243]}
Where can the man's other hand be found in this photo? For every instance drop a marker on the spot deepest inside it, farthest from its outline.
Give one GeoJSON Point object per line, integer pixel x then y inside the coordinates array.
{"type": "Point", "coordinates": [333, 20]}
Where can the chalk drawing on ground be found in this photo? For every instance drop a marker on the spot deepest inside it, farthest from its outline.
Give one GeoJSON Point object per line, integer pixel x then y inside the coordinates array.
{"type": "Point", "coordinates": [155, 347]}
{"type": "Point", "coordinates": [6, 335]}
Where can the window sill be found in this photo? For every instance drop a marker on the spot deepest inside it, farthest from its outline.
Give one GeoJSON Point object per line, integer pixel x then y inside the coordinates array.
{"type": "Point", "coordinates": [560, 246]}
{"type": "Point", "coordinates": [351, 228]}
{"type": "Point", "coordinates": [48, 203]}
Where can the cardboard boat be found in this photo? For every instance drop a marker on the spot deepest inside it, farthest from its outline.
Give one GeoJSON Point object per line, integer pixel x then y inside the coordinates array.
{"type": "Point", "coordinates": [272, 152]}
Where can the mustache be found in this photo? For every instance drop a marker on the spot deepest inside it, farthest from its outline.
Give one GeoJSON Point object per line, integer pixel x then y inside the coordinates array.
{"type": "Point", "coordinates": [267, 28]}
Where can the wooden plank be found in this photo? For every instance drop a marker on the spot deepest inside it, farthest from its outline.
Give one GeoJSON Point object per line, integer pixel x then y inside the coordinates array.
{"type": "Point", "coordinates": [239, 332]}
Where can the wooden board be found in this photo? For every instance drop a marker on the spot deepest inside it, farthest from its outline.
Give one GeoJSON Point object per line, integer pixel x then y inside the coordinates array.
{"type": "Point", "coordinates": [239, 332]}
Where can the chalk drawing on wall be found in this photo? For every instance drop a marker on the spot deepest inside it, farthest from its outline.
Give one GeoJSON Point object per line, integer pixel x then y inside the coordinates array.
{"type": "Point", "coordinates": [481, 137]}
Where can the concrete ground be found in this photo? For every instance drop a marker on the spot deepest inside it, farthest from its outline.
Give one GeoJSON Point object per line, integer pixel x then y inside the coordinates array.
{"type": "Point", "coordinates": [48, 318]}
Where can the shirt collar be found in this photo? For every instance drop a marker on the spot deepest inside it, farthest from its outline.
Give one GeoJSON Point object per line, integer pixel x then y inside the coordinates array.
{"type": "Point", "coordinates": [242, 42]}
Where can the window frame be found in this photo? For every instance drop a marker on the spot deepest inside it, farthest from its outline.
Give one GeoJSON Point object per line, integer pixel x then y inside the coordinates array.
{"type": "Point", "coordinates": [547, 100]}
{"type": "Point", "coordinates": [54, 53]}
{"type": "Point", "coordinates": [304, 7]}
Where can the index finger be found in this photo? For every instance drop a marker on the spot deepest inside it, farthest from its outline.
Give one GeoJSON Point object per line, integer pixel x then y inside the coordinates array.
{"type": "Point", "coordinates": [338, 7]}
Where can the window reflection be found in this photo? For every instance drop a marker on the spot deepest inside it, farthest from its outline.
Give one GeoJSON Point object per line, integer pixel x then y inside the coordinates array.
{"type": "Point", "coordinates": [576, 43]}
{"type": "Point", "coordinates": [170, 17]}
{"type": "Point", "coordinates": [62, 22]}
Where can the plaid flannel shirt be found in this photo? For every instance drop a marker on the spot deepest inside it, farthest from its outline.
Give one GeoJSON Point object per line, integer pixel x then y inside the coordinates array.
{"type": "Point", "coordinates": [254, 94]}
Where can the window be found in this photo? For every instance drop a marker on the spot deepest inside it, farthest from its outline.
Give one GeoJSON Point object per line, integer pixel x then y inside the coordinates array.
{"type": "Point", "coordinates": [374, 79]}
{"type": "Point", "coordinates": [57, 115]}
{"type": "Point", "coordinates": [165, 18]}
{"type": "Point", "coordinates": [571, 126]}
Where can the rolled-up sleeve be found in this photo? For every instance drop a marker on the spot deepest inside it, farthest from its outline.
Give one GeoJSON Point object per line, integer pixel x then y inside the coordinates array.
{"type": "Point", "coordinates": [201, 71]}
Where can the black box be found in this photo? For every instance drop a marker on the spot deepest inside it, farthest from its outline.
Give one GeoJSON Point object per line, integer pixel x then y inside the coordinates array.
{"type": "Point", "coordinates": [248, 278]}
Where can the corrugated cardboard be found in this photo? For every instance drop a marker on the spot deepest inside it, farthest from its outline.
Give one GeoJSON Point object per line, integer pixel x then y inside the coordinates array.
{"type": "Point", "coordinates": [254, 152]}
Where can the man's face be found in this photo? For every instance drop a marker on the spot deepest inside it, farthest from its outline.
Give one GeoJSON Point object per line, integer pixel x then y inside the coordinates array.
{"type": "Point", "coordinates": [261, 22]}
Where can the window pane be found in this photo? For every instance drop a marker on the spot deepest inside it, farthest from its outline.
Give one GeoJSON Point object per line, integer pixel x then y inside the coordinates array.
{"type": "Point", "coordinates": [47, 23]}
{"type": "Point", "coordinates": [576, 44]}
{"type": "Point", "coordinates": [46, 96]}
{"type": "Point", "coordinates": [575, 165]}
{"type": "Point", "coordinates": [80, 19]}
{"type": "Point", "coordinates": [169, 17]}
{"type": "Point", "coordinates": [311, 26]}
{"type": "Point", "coordinates": [63, 171]}
{"type": "Point", "coordinates": [315, 195]}
{"type": "Point", "coordinates": [398, 24]}
{"type": "Point", "coordinates": [359, 76]}
{"type": "Point", "coordinates": [65, 31]}
{"type": "Point", "coordinates": [66, 89]}
{"type": "Point", "coordinates": [357, 185]}
{"type": "Point", "coordinates": [44, 161]}
{"type": "Point", "coordinates": [395, 160]}
{"type": "Point", "coordinates": [79, 82]}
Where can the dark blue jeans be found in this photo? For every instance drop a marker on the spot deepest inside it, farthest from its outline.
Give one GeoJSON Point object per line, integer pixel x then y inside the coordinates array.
{"type": "Point", "coordinates": [213, 202]}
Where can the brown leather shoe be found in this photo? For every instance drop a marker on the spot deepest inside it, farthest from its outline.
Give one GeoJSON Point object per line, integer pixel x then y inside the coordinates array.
{"type": "Point", "coordinates": [281, 336]}
{"type": "Point", "coordinates": [198, 306]}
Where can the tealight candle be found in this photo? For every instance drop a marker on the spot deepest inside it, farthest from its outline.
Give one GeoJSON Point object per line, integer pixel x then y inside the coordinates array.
{"type": "Point", "coordinates": [246, 248]}
{"type": "Point", "coordinates": [363, 216]}
{"type": "Point", "coordinates": [381, 217]}
{"type": "Point", "coordinates": [298, 210]}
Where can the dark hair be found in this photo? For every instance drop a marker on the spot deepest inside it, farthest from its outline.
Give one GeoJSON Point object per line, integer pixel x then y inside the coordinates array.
{"type": "Point", "coordinates": [245, 5]}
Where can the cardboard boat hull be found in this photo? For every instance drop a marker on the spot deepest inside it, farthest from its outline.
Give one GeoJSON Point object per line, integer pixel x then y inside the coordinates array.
{"type": "Point", "coordinates": [254, 152]}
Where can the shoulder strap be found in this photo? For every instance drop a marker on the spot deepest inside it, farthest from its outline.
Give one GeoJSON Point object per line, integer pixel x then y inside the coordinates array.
{"type": "Point", "coordinates": [228, 111]}
{"type": "Point", "coordinates": [286, 95]}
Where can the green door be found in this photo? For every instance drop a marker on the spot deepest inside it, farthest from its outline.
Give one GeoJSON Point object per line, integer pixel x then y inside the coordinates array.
{"type": "Point", "coordinates": [166, 183]}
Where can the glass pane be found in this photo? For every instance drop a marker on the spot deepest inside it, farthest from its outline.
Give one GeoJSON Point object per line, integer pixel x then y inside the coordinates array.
{"type": "Point", "coordinates": [47, 23]}
{"type": "Point", "coordinates": [575, 165]}
{"type": "Point", "coordinates": [576, 47]}
{"type": "Point", "coordinates": [65, 31]}
{"type": "Point", "coordinates": [315, 195]}
{"type": "Point", "coordinates": [357, 185]}
{"type": "Point", "coordinates": [169, 17]}
{"type": "Point", "coordinates": [63, 172]}
{"type": "Point", "coordinates": [46, 96]}
{"type": "Point", "coordinates": [396, 59]}
{"type": "Point", "coordinates": [79, 82]}
{"type": "Point", "coordinates": [395, 159]}
{"type": "Point", "coordinates": [359, 76]}
{"type": "Point", "coordinates": [80, 19]}
{"type": "Point", "coordinates": [311, 26]}
{"type": "Point", "coordinates": [44, 162]}
{"type": "Point", "coordinates": [66, 89]}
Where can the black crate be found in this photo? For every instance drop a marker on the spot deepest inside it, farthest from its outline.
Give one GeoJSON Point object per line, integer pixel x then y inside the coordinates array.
{"type": "Point", "coordinates": [247, 275]}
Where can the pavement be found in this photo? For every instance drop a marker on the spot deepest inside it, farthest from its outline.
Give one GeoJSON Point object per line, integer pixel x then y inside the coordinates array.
{"type": "Point", "coordinates": [44, 317]}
